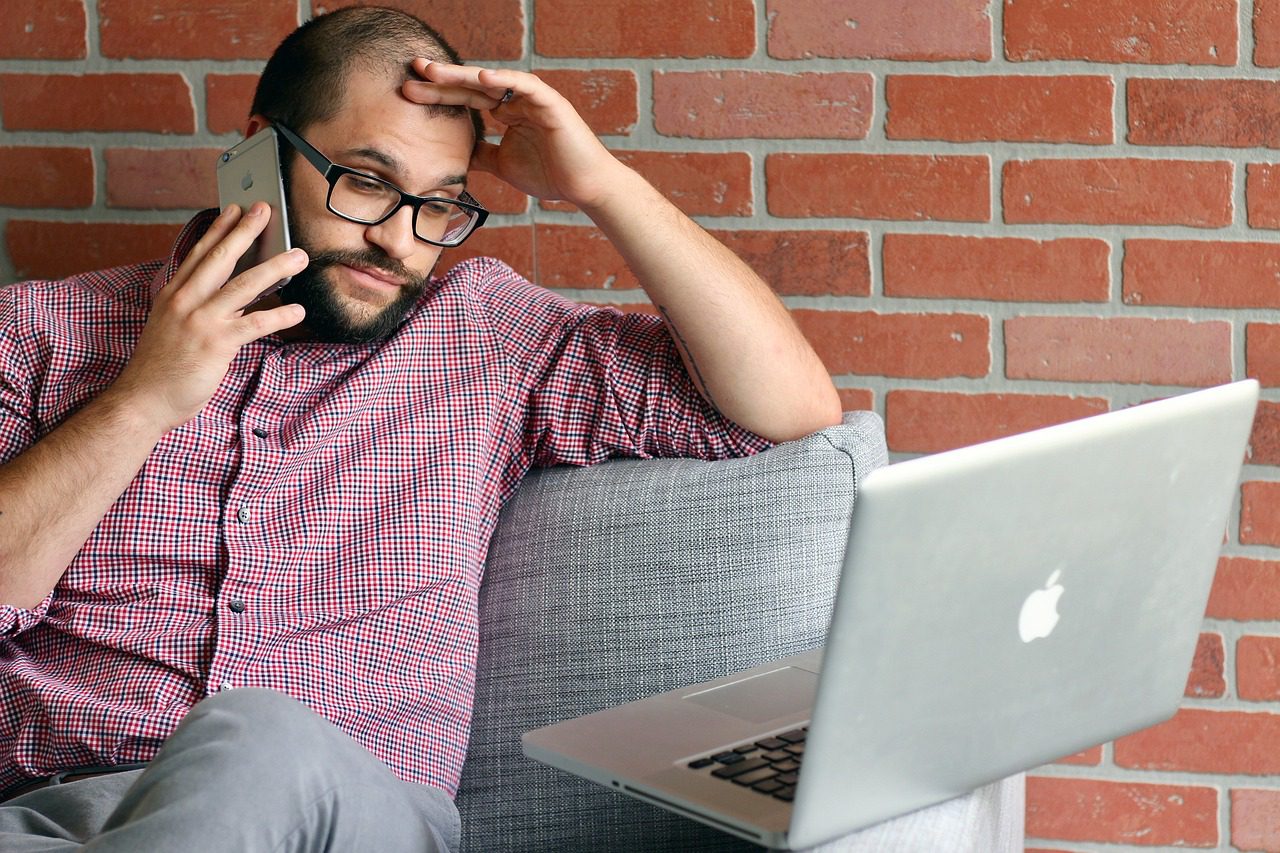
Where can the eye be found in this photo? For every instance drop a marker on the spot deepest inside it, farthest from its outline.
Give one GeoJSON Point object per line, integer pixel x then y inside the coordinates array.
{"type": "Point", "coordinates": [365, 185]}
{"type": "Point", "coordinates": [439, 208]}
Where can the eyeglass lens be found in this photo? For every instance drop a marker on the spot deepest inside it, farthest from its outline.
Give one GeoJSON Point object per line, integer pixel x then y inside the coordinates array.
{"type": "Point", "coordinates": [367, 200]}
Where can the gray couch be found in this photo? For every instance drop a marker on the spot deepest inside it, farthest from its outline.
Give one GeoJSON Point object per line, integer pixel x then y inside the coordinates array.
{"type": "Point", "coordinates": [610, 583]}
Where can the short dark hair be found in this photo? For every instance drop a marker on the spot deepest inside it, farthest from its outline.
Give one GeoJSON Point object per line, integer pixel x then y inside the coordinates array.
{"type": "Point", "coordinates": [305, 80]}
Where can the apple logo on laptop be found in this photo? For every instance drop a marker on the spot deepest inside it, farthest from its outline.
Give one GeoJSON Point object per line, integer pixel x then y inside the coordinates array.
{"type": "Point", "coordinates": [1039, 614]}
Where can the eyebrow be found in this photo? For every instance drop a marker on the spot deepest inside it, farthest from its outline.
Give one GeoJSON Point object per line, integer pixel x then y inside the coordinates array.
{"type": "Point", "coordinates": [395, 167]}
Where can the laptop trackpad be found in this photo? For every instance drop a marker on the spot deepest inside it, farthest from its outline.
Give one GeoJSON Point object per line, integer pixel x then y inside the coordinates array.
{"type": "Point", "coordinates": [761, 698]}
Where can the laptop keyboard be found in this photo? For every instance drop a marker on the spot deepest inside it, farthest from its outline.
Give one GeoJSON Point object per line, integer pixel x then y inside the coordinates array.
{"type": "Point", "coordinates": [769, 766]}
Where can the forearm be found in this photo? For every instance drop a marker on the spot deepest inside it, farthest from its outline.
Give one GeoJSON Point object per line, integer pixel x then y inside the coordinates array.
{"type": "Point", "coordinates": [739, 344]}
{"type": "Point", "coordinates": [55, 493]}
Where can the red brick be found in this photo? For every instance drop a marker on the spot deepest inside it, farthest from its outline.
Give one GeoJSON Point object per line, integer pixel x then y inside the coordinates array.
{"type": "Point", "coordinates": [792, 262]}
{"type": "Point", "coordinates": [606, 98]}
{"type": "Point", "coordinates": [1257, 675]}
{"type": "Point", "coordinates": [1118, 191]}
{"type": "Point", "coordinates": [645, 28]}
{"type": "Point", "coordinates": [1118, 349]}
{"type": "Point", "coordinates": [1221, 113]}
{"type": "Point", "coordinates": [1260, 513]}
{"type": "Point", "coordinates": [46, 177]}
{"type": "Point", "coordinates": [856, 399]}
{"type": "Point", "coordinates": [1122, 812]}
{"type": "Point", "coordinates": [1201, 274]}
{"type": "Point", "coordinates": [477, 29]}
{"type": "Point", "coordinates": [43, 29]}
{"type": "Point", "coordinates": [1000, 108]}
{"type": "Point", "coordinates": [1262, 195]}
{"type": "Point", "coordinates": [699, 183]}
{"type": "Point", "coordinates": [179, 29]}
{"type": "Point", "coordinates": [1091, 757]}
{"type": "Point", "coordinates": [931, 421]}
{"type": "Point", "coordinates": [512, 244]}
{"type": "Point", "coordinates": [580, 257]}
{"type": "Point", "coordinates": [228, 99]}
{"type": "Point", "coordinates": [1262, 353]}
{"type": "Point", "coordinates": [930, 30]}
{"type": "Point", "coordinates": [805, 263]}
{"type": "Point", "coordinates": [1255, 819]}
{"type": "Point", "coordinates": [1153, 32]}
{"type": "Point", "coordinates": [922, 346]}
{"type": "Point", "coordinates": [1207, 679]}
{"type": "Point", "coordinates": [1008, 269]}
{"type": "Point", "coordinates": [59, 249]}
{"type": "Point", "coordinates": [170, 179]}
{"type": "Point", "coordinates": [1202, 741]}
{"type": "Point", "coordinates": [880, 186]}
{"type": "Point", "coordinates": [495, 194]}
{"type": "Point", "coordinates": [1047, 850]}
{"type": "Point", "coordinates": [1266, 33]}
{"type": "Point", "coordinates": [1264, 444]}
{"type": "Point", "coordinates": [1245, 590]}
{"type": "Point", "coordinates": [762, 104]}
{"type": "Point", "coordinates": [158, 103]}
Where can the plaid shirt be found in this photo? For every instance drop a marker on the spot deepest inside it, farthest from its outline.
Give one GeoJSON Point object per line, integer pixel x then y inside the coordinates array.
{"type": "Point", "coordinates": [320, 527]}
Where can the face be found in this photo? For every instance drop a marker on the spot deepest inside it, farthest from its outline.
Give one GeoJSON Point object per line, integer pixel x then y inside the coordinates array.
{"type": "Point", "coordinates": [361, 279]}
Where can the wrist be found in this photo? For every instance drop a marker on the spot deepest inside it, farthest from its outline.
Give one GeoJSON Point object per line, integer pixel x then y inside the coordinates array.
{"type": "Point", "coordinates": [131, 412]}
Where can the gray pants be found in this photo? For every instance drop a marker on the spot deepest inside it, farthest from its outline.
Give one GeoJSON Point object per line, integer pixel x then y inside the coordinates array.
{"type": "Point", "coordinates": [247, 770]}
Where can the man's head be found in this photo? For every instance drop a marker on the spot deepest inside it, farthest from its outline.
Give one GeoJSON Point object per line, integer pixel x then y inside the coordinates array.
{"type": "Point", "coordinates": [336, 81]}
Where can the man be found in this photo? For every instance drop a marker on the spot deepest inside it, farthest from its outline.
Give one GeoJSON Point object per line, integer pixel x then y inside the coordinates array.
{"type": "Point", "coordinates": [269, 524]}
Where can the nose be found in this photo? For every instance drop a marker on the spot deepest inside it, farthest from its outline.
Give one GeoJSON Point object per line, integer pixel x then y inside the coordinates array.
{"type": "Point", "coordinates": [394, 236]}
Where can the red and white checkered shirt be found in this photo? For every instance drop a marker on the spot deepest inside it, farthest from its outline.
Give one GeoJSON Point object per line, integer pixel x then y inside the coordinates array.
{"type": "Point", "coordinates": [320, 527]}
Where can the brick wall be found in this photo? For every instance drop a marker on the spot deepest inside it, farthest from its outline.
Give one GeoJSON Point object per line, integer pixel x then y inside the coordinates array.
{"type": "Point", "coordinates": [988, 216]}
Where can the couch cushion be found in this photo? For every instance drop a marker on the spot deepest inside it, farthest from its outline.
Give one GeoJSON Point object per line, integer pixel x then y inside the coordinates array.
{"type": "Point", "coordinates": [610, 583]}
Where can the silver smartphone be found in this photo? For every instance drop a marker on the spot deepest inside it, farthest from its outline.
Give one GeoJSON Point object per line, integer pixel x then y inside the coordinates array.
{"type": "Point", "coordinates": [250, 172]}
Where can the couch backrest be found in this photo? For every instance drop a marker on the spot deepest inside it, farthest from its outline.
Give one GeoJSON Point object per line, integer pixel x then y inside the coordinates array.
{"type": "Point", "coordinates": [610, 583]}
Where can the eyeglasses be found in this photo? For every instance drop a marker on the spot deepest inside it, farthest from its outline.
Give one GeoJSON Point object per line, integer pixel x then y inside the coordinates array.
{"type": "Point", "coordinates": [361, 197]}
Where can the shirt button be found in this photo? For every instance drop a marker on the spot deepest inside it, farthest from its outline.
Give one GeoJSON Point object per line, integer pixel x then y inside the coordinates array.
{"type": "Point", "coordinates": [236, 605]}
{"type": "Point", "coordinates": [243, 514]}
{"type": "Point", "coordinates": [226, 685]}
{"type": "Point", "coordinates": [260, 432]}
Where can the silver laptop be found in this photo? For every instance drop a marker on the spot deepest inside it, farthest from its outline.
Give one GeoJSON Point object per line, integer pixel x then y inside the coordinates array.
{"type": "Point", "coordinates": [1000, 606]}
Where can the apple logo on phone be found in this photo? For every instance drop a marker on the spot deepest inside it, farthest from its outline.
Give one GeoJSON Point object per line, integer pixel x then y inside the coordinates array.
{"type": "Point", "coordinates": [247, 181]}
{"type": "Point", "coordinates": [1039, 614]}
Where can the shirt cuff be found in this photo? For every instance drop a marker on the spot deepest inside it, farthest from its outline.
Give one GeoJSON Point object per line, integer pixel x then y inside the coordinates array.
{"type": "Point", "coordinates": [15, 620]}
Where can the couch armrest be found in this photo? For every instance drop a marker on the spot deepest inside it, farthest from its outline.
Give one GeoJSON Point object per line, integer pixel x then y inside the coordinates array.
{"type": "Point", "coordinates": [609, 583]}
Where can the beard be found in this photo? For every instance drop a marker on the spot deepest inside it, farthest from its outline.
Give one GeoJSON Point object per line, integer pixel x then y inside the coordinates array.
{"type": "Point", "coordinates": [333, 319]}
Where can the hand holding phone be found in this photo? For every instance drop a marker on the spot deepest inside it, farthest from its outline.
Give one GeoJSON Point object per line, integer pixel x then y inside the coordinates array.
{"type": "Point", "coordinates": [248, 172]}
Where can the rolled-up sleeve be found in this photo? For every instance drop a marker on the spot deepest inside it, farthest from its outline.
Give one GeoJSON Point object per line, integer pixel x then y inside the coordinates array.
{"type": "Point", "coordinates": [599, 382]}
{"type": "Point", "coordinates": [17, 431]}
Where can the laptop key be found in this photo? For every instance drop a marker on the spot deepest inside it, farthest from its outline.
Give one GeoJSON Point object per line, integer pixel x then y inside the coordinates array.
{"type": "Point", "coordinates": [746, 750]}
{"type": "Point", "coordinates": [793, 736]}
{"type": "Point", "coordinates": [786, 766]}
{"type": "Point", "coordinates": [768, 786]}
{"type": "Point", "coordinates": [771, 743]}
{"type": "Point", "coordinates": [786, 778]}
{"type": "Point", "coordinates": [788, 793]}
{"type": "Point", "coordinates": [740, 767]}
{"type": "Point", "coordinates": [796, 749]}
{"type": "Point", "coordinates": [775, 755]}
{"type": "Point", "coordinates": [727, 758]}
{"type": "Point", "coordinates": [755, 776]}
{"type": "Point", "coordinates": [700, 763]}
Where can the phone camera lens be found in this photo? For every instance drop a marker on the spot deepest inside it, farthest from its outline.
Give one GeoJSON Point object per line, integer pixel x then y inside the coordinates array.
{"type": "Point", "coordinates": [225, 156]}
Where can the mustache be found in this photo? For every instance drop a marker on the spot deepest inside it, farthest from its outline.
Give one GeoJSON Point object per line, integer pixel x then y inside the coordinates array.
{"type": "Point", "coordinates": [370, 257]}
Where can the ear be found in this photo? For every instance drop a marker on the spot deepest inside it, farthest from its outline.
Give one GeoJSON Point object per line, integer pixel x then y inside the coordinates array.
{"type": "Point", "coordinates": [256, 123]}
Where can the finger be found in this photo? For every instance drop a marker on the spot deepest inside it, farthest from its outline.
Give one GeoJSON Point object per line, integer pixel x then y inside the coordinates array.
{"type": "Point", "coordinates": [218, 229]}
{"type": "Point", "coordinates": [257, 324]}
{"type": "Point", "coordinates": [485, 157]}
{"type": "Point", "coordinates": [434, 93]}
{"type": "Point", "coordinates": [494, 82]}
{"type": "Point", "coordinates": [212, 271]}
{"type": "Point", "coordinates": [250, 284]}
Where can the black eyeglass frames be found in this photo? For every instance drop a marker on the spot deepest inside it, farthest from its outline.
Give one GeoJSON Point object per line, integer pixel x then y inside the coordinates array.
{"type": "Point", "coordinates": [360, 197]}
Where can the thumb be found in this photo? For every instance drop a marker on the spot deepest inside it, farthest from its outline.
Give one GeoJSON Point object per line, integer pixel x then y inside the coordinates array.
{"type": "Point", "coordinates": [485, 157]}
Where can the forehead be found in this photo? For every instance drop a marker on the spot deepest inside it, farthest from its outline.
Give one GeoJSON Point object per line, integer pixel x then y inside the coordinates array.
{"type": "Point", "coordinates": [374, 116]}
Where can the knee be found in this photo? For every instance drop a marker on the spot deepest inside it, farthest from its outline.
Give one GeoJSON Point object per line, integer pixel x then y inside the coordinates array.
{"type": "Point", "coordinates": [256, 721]}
